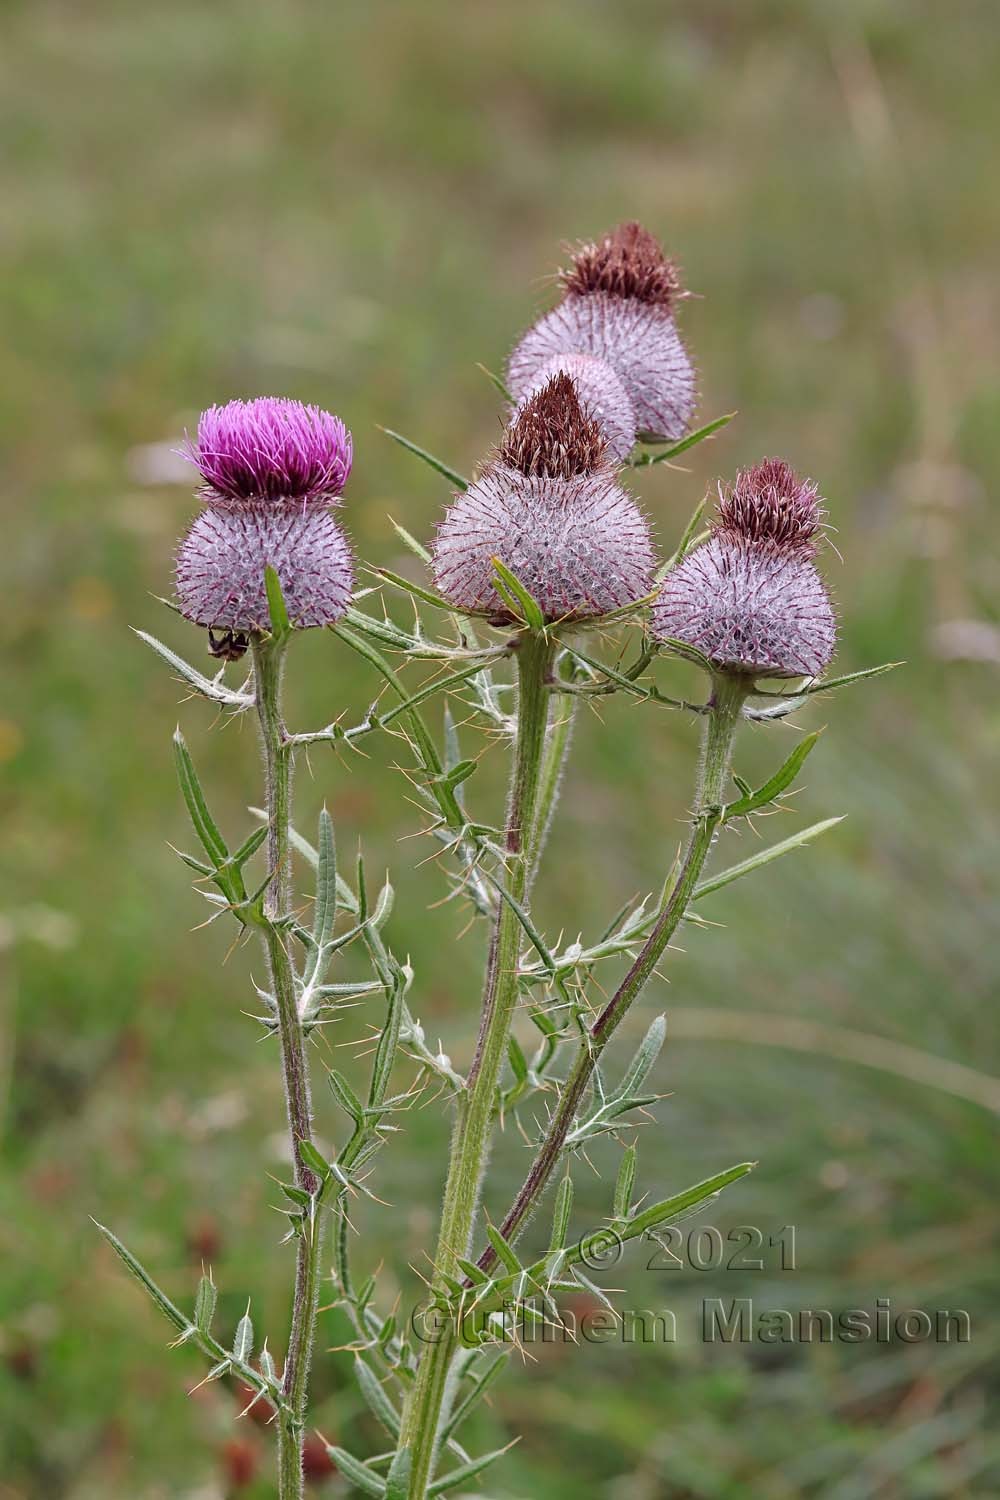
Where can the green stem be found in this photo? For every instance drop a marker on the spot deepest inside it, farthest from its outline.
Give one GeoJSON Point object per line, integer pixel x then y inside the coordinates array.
{"type": "Point", "coordinates": [268, 656]}
{"type": "Point", "coordinates": [722, 720]}
{"type": "Point", "coordinates": [471, 1137]}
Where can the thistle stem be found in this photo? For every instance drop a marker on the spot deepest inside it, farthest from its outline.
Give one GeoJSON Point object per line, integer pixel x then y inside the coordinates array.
{"type": "Point", "coordinates": [474, 1118]}
{"type": "Point", "coordinates": [721, 722]}
{"type": "Point", "coordinates": [268, 656]}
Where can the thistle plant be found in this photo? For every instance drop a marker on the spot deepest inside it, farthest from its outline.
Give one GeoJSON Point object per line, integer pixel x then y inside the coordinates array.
{"type": "Point", "coordinates": [544, 582]}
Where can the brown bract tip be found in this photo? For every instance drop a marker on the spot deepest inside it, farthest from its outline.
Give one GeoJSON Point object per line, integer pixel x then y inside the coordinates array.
{"type": "Point", "coordinates": [628, 262]}
{"type": "Point", "coordinates": [771, 503]}
{"type": "Point", "coordinates": [551, 435]}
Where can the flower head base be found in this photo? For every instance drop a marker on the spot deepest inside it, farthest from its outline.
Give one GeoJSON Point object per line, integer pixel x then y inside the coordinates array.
{"type": "Point", "coordinates": [601, 394]}
{"type": "Point", "coordinates": [271, 449]}
{"type": "Point", "coordinates": [221, 562]}
{"type": "Point", "coordinates": [618, 306]}
{"type": "Point", "coordinates": [548, 507]}
{"type": "Point", "coordinates": [750, 598]}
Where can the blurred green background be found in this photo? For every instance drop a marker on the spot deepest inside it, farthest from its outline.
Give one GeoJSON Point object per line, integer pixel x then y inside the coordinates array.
{"type": "Point", "coordinates": [353, 204]}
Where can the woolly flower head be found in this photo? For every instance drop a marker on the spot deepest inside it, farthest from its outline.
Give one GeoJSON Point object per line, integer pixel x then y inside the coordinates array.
{"type": "Point", "coordinates": [271, 449]}
{"type": "Point", "coordinates": [547, 505]}
{"type": "Point", "coordinates": [750, 598]}
{"type": "Point", "coordinates": [272, 469]}
{"type": "Point", "coordinates": [619, 299]}
{"type": "Point", "coordinates": [601, 394]}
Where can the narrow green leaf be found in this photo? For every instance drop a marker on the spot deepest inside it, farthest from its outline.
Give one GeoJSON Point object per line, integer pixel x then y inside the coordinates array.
{"type": "Point", "coordinates": [216, 692]}
{"type": "Point", "coordinates": [313, 1159]}
{"type": "Point", "coordinates": [497, 383]}
{"type": "Point", "coordinates": [356, 1472]}
{"type": "Point", "coordinates": [397, 1485]}
{"type": "Point", "coordinates": [163, 1302]}
{"type": "Point", "coordinates": [461, 772]}
{"type": "Point", "coordinates": [669, 1208]}
{"type": "Point", "coordinates": [481, 1384]}
{"type": "Point", "coordinates": [683, 444]}
{"type": "Point", "coordinates": [416, 589]}
{"type": "Point", "coordinates": [518, 1061]}
{"type": "Point", "coordinates": [377, 1397]}
{"type": "Point", "coordinates": [514, 592]}
{"type": "Point", "coordinates": [503, 1250]}
{"type": "Point", "coordinates": [243, 1342]}
{"type": "Point", "coordinates": [248, 848]}
{"type": "Point", "coordinates": [204, 1304]}
{"type": "Point", "coordinates": [410, 542]}
{"type": "Point", "coordinates": [686, 542]}
{"type": "Point", "coordinates": [757, 861]}
{"type": "Point", "coordinates": [281, 625]}
{"type": "Point", "coordinates": [645, 1057]}
{"type": "Point", "coordinates": [467, 1471]}
{"type": "Point", "coordinates": [778, 783]}
{"type": "Point", "coordinates": [428, 458]}
{"type": "Point", "coordinates": [625, 1183]}
{"type": "Point", "coordinates": [561, 1214]}
{"type": "Point", "coordinates": [325, 909]}
{"type": "Point", "coordinates": [204, 825]}
{"type": "Point", "coordinates": [346, 1097]}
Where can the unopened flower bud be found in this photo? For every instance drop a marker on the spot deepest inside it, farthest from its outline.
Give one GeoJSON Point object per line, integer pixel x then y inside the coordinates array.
{"type": "Point", "coordinates": [618, 305]}
{"type": "Point", "coordinates": [272, 469]}
{"type": "Point", "coordinates": [601, 394]}
{"type": "Point", "coordinates": [547, 505]}
{"type": "Point", "coordinates": [750, 599]}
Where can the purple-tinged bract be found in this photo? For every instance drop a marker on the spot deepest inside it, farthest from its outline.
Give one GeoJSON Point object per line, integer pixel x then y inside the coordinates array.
{"type": "Point", "coordinates": [750, 598]}
{"type": "Point", "coordinates": [271, 449]}
{"type": "Point", "coordinates": [758, 610]}
{"type": "Point", "coordinates": [602, 397]}
{"type": "Point", "coordinates": [548, 507]}
{"type": "Point", "coordinates": [221, 562]}
{"type": "Point", "coordinates": [618, 305]}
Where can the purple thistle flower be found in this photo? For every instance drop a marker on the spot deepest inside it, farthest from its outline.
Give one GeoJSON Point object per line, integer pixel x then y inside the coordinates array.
{"type": "Point", "coordinates": [548, 507]}
{"type": "Point", "coordinates": [618, 305]}
{"type": "Point", "coordinates": [750, 598]}
{"type": "Point", "coordinates": [221, 562]}
{"type": "Point", "coordinates": [271, 449]}
{"type": "Point", "coordinates": [602, 397]}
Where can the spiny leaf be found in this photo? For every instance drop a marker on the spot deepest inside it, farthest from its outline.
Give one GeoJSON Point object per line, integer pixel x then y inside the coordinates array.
{"type": "Point", "coordinates": [561, 1214]}
{"type": "Point", "coordinates": [377, 1397]}
{"type": "Point", "coordinates": [345, 1096]}
{"type": "Point", "coordinates": [625, 1183]}
{"type": "Point", "coordinates": [204, 1304]}
{"type": "Point", "coordinates": [204, 824]}
{"type": "Point", "coordinates": [410, 542]}
{"type": "Point", "coordinates": [669, 1208]}
{"type": "Point", "coordinates": [645, 1057]}
{"type": "Point", "coordinates": [141, 1275]}
{"type": "Point", "coordinates": [778, 783]}
{"type": "Point", "coordinates": [313, 1159]}
{"type": "Point", "coordinates": [243, 1342]}
{"type": "Point", "coordinates": [467, 1471]}
{"type": "Point", "coordinates": [356, 1472]}
{"type": "Point", "coordinates": [208, 687]}
{"type": "Point", "coordinates": [683, 444]}
{"type": "Point", "coordinates": [757, 861]}
{"type": "Point", "coordinates": [325, 910]}
{"type": "Point", "coordinates": [428, 458]}
{"type": "Point", "coordinates": [503, 1250]}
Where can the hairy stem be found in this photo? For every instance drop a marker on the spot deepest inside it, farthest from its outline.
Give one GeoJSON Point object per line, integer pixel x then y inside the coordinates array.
{"type": "Point", "coordinates": [719, 734]}
{"type": "Point", "coordinates": [472, 1131]}
{"type": "Point", "coordinates": [268, 655]}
